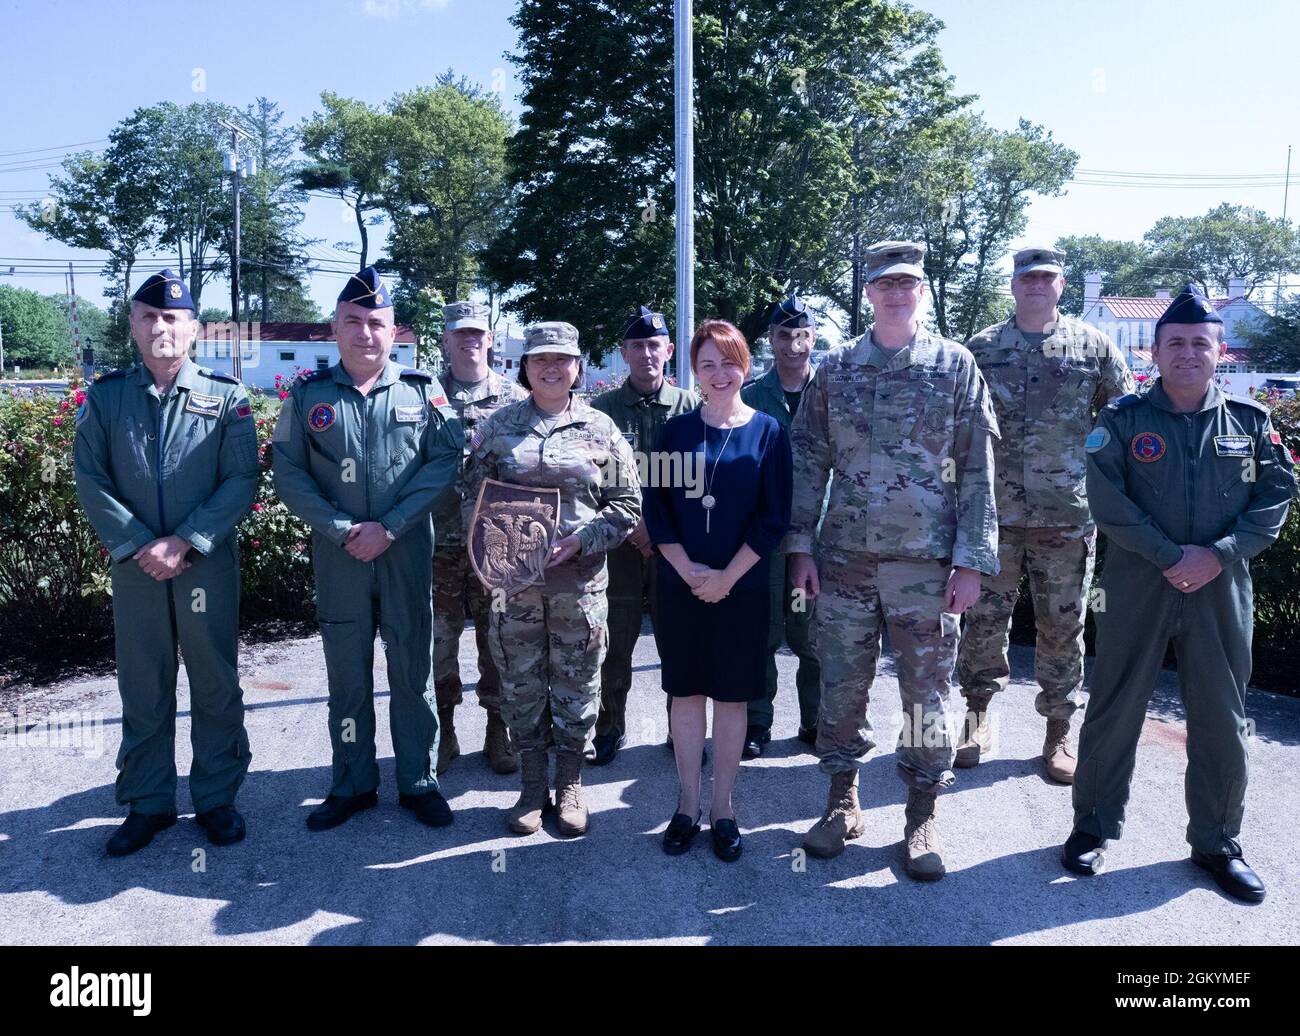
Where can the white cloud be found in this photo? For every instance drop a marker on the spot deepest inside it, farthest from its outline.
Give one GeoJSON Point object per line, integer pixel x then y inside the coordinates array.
{"type": "Point", "coordinates": [395, 8]}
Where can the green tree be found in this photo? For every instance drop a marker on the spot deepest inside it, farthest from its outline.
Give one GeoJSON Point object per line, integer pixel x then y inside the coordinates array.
{"type": "Point", "coordinates": [349, 147]}
{"type": "Point", "coordinates": [1275, 339]}
{"type": "Point", "coordinates": [35, 329]}
{"type": "Point", "coordinates": [972, 185]}
{"type": "Point", "coordinates": [273, 269]}
{"type": "Point", "coordinates": [1127, 268]}
{"type": "Point", "coordinates": [447, 193]}
{"type": "Point", "coordinates": [780, 91]}
{"type": "Point", "coordinates": [1228, 241]}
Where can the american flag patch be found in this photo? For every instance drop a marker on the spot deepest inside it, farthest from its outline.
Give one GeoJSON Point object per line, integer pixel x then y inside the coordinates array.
{"type": "Point", "coordinates": [476, 440]}
{"type": "Point", "coordinates": [1275, 437]}
{"type": "Point", "coordinates": [244, 410]}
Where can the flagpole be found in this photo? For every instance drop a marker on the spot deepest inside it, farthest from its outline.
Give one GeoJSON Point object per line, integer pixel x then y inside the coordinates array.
{"type": "Point", "coordinates": [684, 119]}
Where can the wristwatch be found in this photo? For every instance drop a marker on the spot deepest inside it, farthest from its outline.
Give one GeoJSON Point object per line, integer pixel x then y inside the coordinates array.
{"type": "Point", "coordinates": [389, 533]}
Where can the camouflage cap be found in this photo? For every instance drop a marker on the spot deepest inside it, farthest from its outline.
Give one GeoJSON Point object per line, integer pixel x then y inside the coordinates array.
{"type": "Point", "coordinates": [886, 257]}
{"type": "Point", "coordinates": [466, 314]}
{"type": "Point", "coordinates": [552, 336]}
{"type": "Point", "coordinates": [1027, 260]}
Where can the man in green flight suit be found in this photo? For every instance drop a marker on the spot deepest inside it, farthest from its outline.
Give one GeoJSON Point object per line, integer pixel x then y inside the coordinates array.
{"type": "Point", "coordinates": [364, 452]}
{"type": "Point", "coordinates": [792, 333]}
{"type": "Point", "coordinates": [165, 459]}
{"type": "Point", "coordinates": [639, 407]}
{"type": "Point", "coordinates": [1188, 484]}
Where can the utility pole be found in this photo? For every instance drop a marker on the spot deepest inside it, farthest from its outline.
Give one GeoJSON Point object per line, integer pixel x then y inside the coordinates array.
{"type": "Point", "coordinates": [87, 359]}
{"type": "Point", "coordinates": [855, 311]}
{"type": "Point", "coordinates": [1286, 190]}
{"type": "Point", "coordinates": [237, 172]}
{"type": "Point", "coordinates": [684, 117]}
{"type": "Point", "coordinates": [10, 273]}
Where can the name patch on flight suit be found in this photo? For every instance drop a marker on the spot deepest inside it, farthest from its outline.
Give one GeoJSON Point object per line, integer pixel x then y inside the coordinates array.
{"type": "Point", "coordinates": [1234, 445]}
{"type": "Point", "coordinates": [208, 406]}
{"type": "Point", "coordinates": [410, 414]}
{"type": "Point", "coordinates": [1148, 447]}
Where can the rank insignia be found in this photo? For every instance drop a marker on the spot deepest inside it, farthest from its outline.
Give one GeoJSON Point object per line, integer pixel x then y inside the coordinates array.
{"type": "Point", "coordinates": [320, 417]}
{"type": "Point", "coordinates": [174, 290]}
{"type": "Point", "coordinates": [1148, 447]}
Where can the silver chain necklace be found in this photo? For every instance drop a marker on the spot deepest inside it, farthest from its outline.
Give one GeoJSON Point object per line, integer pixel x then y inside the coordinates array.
{"type": "Point", "coordinates": [708, 501]}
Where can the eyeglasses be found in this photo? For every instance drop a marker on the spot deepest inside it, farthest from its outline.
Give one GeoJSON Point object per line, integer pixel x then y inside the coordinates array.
{"type": "Point", "coordinates": [890, 283]}
{"type": "Point", "coordinates": [546, 360]}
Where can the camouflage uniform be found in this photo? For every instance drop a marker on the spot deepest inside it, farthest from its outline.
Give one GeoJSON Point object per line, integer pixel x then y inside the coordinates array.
{"type": "Point", "coordinates": [631, 576]}
{"type": "Point", "coordinates": [548, 641]}
{"type": "Point", "coordinates": [910, 437]}
{"type": "Point", "coordinates": [454, 582]}
{"type": "Point", "coordinates": [1045, 398]}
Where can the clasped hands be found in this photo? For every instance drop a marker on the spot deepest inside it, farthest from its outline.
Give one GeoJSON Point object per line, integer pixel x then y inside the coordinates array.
{"type": "Point", "coordinates": [1198, 566]}
{"type": "Point", "coordinates": [710, 585]}
{"type": "Point", "coordinates": [163, 558]}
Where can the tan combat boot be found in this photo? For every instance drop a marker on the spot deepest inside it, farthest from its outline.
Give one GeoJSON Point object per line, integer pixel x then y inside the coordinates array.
{"type": "Point", "coordinates": [500, 753]}
{"type": "Point", "coordinates": [534, 798]}
{"type": "Point", "coordinates": [976, 735]}
{"type": "Point", "coordinates": [448, 746]}
{"type": "Point", "coordinates": [1058, 753]}
{"type": "Point", "coordinates": [568, 794]}
{"type": "Point", "coordinates": [922, 847]}
{"type": "Point", "coordinates": [842, 820]}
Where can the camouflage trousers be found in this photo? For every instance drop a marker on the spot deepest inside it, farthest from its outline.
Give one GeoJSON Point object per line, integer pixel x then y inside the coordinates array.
{"type": "Point", "coordinates": [548, 648]}
{"type": "Point", "coordinates": [861, 594]}
{"type": "Point", "coordinates": [454, 583]}
{"type": "Point", "coordinates": [1059, 563]}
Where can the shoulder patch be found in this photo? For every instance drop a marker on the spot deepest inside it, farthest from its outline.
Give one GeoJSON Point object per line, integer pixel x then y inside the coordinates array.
{"type": "Point", "coordinates": [1097, 440]}
{"type": "Point", "coordinates": [415, 372]}
{"type": "Point", "coordinates": [1120, 402]}
{"type": "Point", "coordinates": [111, 374]}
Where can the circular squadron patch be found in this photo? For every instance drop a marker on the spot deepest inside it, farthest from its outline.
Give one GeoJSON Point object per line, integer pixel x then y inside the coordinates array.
{"type": "Point", "coordinates": [1148, 447]}
{"type": "Point", "coordinates": [320, 417]}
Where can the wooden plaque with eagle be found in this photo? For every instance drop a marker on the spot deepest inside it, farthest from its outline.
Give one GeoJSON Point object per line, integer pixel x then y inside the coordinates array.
{"type": "Point", "coordinates": [511, 534]}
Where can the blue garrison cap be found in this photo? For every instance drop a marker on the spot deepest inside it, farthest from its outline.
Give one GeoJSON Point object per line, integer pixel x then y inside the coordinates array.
{"type": "Point", "coordinates": [792, 312]}
{"type": "Point", "coordinates": [646, 324]}
{"type": "Point", "coordinates": [164, 290]}
{"type": "Point", "coordinates": [367, 289]}
{"type": "Point", "coordinates": [1190, 307]}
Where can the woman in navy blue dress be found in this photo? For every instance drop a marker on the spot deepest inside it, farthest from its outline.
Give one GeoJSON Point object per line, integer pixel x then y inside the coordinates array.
{"type": "Point", "coordinates": [715, 531]}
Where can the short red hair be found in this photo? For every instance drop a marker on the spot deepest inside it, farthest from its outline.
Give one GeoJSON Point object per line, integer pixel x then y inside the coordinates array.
{"type": "Point", "coordinates": [727, 337]}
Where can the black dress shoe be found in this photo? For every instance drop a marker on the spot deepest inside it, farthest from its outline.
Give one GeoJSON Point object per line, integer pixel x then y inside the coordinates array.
{"type": "Point", "coordinates": [137, 831]}
{"type": "Point", "coordinates": [681, 829]}
{"type": "Point", "coordinates": [1232, 874]}
{"type": "Point", "coordinates": [726, 839]}
{"type": "Point", "coordinates": [607, 746]}
{"type": "Point", "coordinates": [808, 735]}
{"type": "Point", "coordinates": [1083, 853]}
{"type": "Point", "coordinates": [755, 739]}
{"type": "Point", "coordinates": [337, 808]}
{"type": "Point", "coordinates": [223, 824]}
{"type": "Point", "coordinates": [430, 808]}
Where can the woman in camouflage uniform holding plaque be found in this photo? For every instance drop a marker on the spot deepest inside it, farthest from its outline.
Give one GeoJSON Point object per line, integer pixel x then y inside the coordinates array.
{"type": "Point", "coordinates": [548, 631]}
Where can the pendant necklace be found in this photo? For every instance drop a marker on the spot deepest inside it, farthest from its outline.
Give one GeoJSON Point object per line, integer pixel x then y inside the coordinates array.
{"type": "Point", "coordinates": [707, 501]}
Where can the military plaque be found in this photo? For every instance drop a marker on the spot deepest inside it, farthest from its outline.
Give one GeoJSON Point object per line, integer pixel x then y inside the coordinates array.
{"type": "Point", "coordinates": [511, 533]}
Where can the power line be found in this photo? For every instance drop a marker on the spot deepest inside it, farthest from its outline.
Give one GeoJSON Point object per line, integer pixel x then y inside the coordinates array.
{"type": "Point", "coordinates": [57, 147]}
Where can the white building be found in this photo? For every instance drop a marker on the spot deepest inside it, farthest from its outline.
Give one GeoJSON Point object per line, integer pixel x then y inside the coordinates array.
{"type": "Point", "coordinates": [1130, 322]}
{"type": "Point", "coordinates": [283, 348]}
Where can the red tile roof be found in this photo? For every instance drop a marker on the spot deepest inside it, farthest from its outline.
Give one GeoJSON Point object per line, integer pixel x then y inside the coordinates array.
{"type": "Point", "coordinates": [1128, 307]}
{"type": "Point", "coordinates": [275, 331]}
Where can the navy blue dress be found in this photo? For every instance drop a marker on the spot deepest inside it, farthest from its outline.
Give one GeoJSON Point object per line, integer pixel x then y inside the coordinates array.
{"type": "Point", "coordinates": [719, 650]}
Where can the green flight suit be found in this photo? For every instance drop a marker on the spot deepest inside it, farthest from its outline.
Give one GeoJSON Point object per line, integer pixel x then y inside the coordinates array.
{"type": "Point", "coordinates": [632, 576]}
{"type": "Point", "coordinates": [183, 464]}
{"type": "Point", "coordinates": [1157, 480]}
{"type": "Point", "coordinates": [389, 456]}
{"type": "Point", "coordinates": [787, 625]}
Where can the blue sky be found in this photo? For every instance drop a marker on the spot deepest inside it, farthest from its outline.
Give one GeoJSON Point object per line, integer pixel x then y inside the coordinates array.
{"type": "Point", "coordinates": [1155, 88]}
